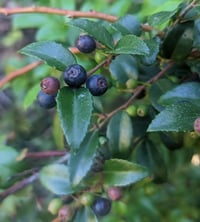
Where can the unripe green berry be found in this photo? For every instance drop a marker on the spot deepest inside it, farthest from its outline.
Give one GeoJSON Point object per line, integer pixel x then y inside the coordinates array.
{"type": "Point", "coordinates": [87, 199]}
{"type": "Point", "coordinates": [142, 110]}
{"type": "Point", "coordinates": [131, 83]}
{"type": "Point", "coordinates": [54, 205]}
{"type": "Point", "coordinates": [132, 110]}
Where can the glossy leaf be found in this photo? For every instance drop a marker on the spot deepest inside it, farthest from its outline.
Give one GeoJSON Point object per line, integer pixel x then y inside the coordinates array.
{"type": "Point", "coordinates": [85, 214]}
{"type": "Point", "coordinates": [8, 155]}
{"type": "Point", "coordinates": [55, 178]}
{"type": "Point", "coordinates": [52, 53]}
{"type": "Point", "coordinates": [31, 96]}
{"type": "Point", "coordinates": [128, 24]}
{"type": "Point", "coordinates": [176, 117]}
{"type": "Point", "coordinates": [149, 156]}
{"type": "Point", "coordinates": [159, 88]}
{"type": "Point", "coordinates": [197, 34]}
{"type": "Point", "coordinates": [81, 162]}
{"type": "Point", "coordinates": [123, 68]}
{"type": "Point", "coordinates": [161, 17]}
{"type": "Point", "coordinates": [120, 137]}
{"type": "Point", "coordinates": [119, 172]}
{"type": "Point", "coordinates": [185, 92]}
{"type": "Point", "coordinates": [130, 44]}
{"type": "Point", "coordinates": [74, 110]}
{"type": "Point", "coordinates": [95, 29]}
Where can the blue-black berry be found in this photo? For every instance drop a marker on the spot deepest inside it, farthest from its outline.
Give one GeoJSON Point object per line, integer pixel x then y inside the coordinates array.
{"type": "Point", "coordinates": [46, 101]}
{"type": "Point", "coordinates": [86, 44]}
{"type": "Point", "coordinates": [101, 206]}
{"type": "Point", "coordinates": [50, 85]}
{"type": "Point", "coordinates": [75, 75]}
{"type": "Point", "coordinates": [97, 85]}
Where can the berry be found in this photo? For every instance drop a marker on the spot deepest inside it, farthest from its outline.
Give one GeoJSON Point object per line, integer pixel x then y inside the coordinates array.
{"type": "Point", "coordinates": [101, 206]}
{"type": "Point", "coordinates": [132, 110]}
{"type": "Point", "coordinates": [50, 85]}
{"type": "Point", "coordinates": [75, 75]}
{"type": "Point", "coordinates": [86, 44]}
{"type": "Point", "coordinates": [54, 206]}
{"type": "Point", "coordinates": [87, 199]}
{"type": "Point", "coordinates": [114, 193]}
{"type": "Point", "coordinates": [97, 85]}
{"type": "Point", "coordinates": [197, 126]}
{"type": "Point", "coordinates": [46, 101]}
{"type": "Point", "coordinates": [65, 213]}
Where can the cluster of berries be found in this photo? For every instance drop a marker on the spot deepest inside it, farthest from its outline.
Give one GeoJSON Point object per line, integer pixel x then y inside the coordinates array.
{"type": "Point", "coordinates": [74, 76]}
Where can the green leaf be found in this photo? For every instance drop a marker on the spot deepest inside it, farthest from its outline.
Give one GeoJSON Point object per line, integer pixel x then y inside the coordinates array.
{"type": "Point", "coordinates": [85, 214]}
{"type": "Point", "coordinates": [55, 178]}
{"type": "Point", "coordinates": [74, 110]}
{"type": "Point", "coordinates": [124, 67]}
{"type": "Point", "coordinates": [81, 162]}
{"type": "Point", "coordinates": [149, 156]}
{"type": "Point", "coordinates": [31, 96]}
{"type": "Point", "coordinates": [153, 45]}
{"type": "Point", "coordinates": [161, 17]}
{"type": "Point", "coordinates": [120, 137]}
{"type": "Point", "coordinates": [52, 53]}
{"type": "Point", "coordinates": [95, 29]}
{"type": "Point", "coordinates": [185, 92]}
{"type": "Point", "coordinates": [8, 155]}
{"type": "Point", "coordinates": [197, 34]}
{"type": "Point", "coordinates": [119, 172]}
{"type": "Point", "coordinates": [176, 117]}
{"type": "Point", "coordinates": [158, 88]}
{"type": "Point", "coordinates": [130, 44]}
{"type": "Point", "coordinates": [128, 24]}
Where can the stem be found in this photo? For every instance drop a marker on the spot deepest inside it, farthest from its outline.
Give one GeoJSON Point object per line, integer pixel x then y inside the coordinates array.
{"type": "Point", "coordinates": [135, 93]}
{"type": "Point", "coordinates": [48, 10]}
{"type": "Point", "coordinates": [45, 154]}
{"type": "Point", "coordinates": [18, 72]}
{"type": "Point", "coordinates": [18, 186]}
{"type": "Point", "coordinates": [29, 180]}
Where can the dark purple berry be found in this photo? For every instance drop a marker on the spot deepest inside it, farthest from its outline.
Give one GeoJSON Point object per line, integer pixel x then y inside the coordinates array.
{"type": "Point", "coordinates": [97, 85]}
{"type": "Point", "coordinates": [75, 75]}
{"type": "Point", "coordinates": [101, 206]}
{"type": "Point", "coordinates": [50, 85]}
{"type": "Point", "coordinates": [46, 101]}
{"type": "Point", "coordinates": [86, 44]}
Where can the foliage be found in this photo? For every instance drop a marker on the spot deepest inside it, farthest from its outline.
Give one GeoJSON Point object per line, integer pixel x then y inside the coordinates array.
{"type": "Point", "coordinates": [138, 136]}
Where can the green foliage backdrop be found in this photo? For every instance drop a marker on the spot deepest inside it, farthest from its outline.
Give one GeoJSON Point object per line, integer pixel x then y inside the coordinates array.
{"type": "Point", "coordinates": [139, 136]}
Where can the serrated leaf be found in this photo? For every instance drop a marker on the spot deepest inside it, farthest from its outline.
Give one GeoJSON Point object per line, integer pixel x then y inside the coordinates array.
{"type": "Point", "coordinates": [95, 29]}
{"type": "Point", "coordinates": [31, 96]}
{"type": "Point", "coordinates": [130, 44]}
{"type": "Point", "coordinates": [81, 162]}
{"type": "Point", "coordinates": [85, 214]}
{"type": "Point", "coordinates": [119, 172]}
{"type": "Point", "coordinates": [128, 24]}
{"type": "Point", "coordinates": [52, 53]}
{"type": "Point", "coordinates": [74, 109]}
{"type": "Point", "coordinates": [176, 117]}
{"type": "Point", "coordinates": [185, 92]}
{"type": "Point", "coordinates": [55, 177]}
{"type": "Point", "coordinates": [161, 17]}
{"type": "Point", "coordinates": [120, 137]}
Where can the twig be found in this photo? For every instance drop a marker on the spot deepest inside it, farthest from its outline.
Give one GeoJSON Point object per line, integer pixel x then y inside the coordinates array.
{"type": "Point", "coordinates": [18, 186]}
{"type": "Point", "coordinates": [48, 10]}
{"type": "Point", "coordinates": [136, 92]}
{"type": "Point", "coordinates": [184, 12]}
{"type": "Point", "coordinates": [44, 154]}
{"type": "Point", "coordinates": [29, 180]}
{"type": "Point", "coordinates": [18, 72]}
